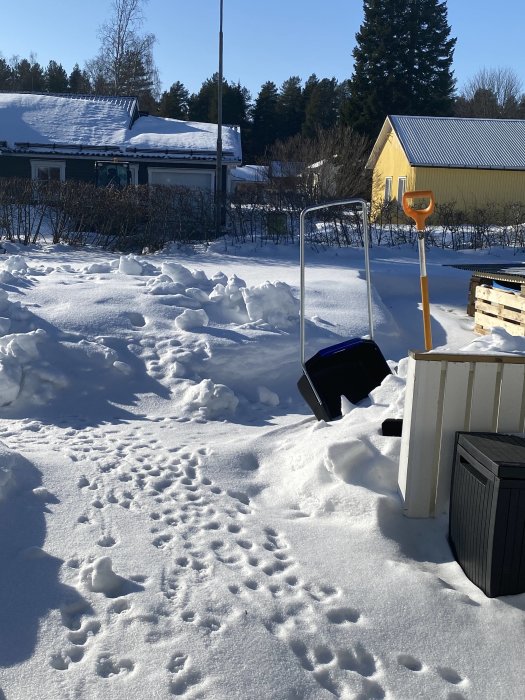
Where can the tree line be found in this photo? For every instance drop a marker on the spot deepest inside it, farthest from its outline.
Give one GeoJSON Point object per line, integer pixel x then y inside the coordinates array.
{"type": "Point", "coordinates": [276, 114]}
{"type": "Point", "coordinates": [402, 65]}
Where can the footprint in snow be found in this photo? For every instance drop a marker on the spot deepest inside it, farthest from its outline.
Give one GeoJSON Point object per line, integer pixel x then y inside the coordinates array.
{"type": "Point", "coordinates": [329, 668]}
{"type": "Point", "coordinates": [63, 659]}
{"type": "Point", "coordinates": [339, 616]}
{"type": "Point", "coordinates": [106, 666]}
{"type": "Point", "coordinates": [79, 634]}
{"type": "Point", "coordinates": [449, 675]}
{"type": "Point", "coordinates": [410, 662]}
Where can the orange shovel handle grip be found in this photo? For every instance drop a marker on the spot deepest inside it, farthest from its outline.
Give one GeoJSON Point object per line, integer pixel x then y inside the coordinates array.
{"type": "Point", "coordinates": [419, 215]}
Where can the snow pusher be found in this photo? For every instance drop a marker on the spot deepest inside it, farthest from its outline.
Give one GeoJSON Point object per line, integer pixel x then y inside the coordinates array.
{"type": "Point", "coordinates": [351, 368]}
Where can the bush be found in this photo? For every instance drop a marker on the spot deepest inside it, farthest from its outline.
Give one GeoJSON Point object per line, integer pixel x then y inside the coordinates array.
{"type": "Point", "coordinates": [125, 219]}
{"type": "Point", "coordinates": [135, 218]}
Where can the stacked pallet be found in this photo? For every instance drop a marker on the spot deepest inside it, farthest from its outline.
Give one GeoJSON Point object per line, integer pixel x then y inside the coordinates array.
{"type": "Point", "coordinates": [497, 307]}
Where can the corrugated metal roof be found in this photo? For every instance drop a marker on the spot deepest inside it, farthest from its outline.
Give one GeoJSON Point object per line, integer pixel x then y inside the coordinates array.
{"type": "Point", "coordinates": [456, 142]}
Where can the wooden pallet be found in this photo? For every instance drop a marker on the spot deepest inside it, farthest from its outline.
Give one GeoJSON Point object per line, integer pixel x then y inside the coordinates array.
{"type": "Point", "coordinates": [496, 307]}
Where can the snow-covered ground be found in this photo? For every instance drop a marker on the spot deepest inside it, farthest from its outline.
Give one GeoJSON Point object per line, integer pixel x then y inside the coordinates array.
{"type": "Point", "coordinates": [173, 520]}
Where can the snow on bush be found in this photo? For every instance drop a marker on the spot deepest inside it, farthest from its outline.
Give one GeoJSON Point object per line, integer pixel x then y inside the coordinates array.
{"type": "Point", "coordinates": [273, 303]}
{"type": "Point", "coordinates": [498, 341]}
{"type": "Point", "coordinates": [191, 318]}
{"type": "Point", "coordinates": [97, 268]}
{"type": "Point", "coordinates": [267, 397]}
{"type": "Point", "coordinates": [164, 285]}
{"type": "Point", "coordinates": [130, 265]}
{"type": "Point", "coordinates": [212, 399]}
{"type": "Point", "coordinates": [16, 263]}
{"type": "Point", "coordinates": [10, 380]}
{"type": "Point", "coordinates": [16, 352]}
{"type": "Point", "coordinates": [99, 577]}
{"type": "Point", "coordinates": [12, 471]}
{"type": "Point", "coordinates": [178, 273]}
{"type": "Point", "coordinates": [4, 301]}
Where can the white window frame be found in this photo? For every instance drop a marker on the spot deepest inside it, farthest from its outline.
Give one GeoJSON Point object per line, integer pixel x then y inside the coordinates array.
{"type": "Point", "coordinates": [388, 189]}
{"type": "Point", "coordinates": [185, 171]}
{"type": "Point", "coordinates": [60, 164]}
{"type": "Point", "coordinates": [134, 170]}
{"type": "Point", "coordinates": [401, 188]}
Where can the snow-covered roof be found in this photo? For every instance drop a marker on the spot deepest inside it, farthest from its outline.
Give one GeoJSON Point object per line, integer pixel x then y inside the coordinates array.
{"type": "Point", "coordinates": [279, 168]}
{"type": "Point", "coordinates": [91, 124]}
{"type": "Point", "coordinates": [250, 173]}
{"type": "Point", "coordinates": [455, 142]}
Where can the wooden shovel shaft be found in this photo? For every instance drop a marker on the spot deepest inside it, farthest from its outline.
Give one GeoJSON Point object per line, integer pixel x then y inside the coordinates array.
{"type": "Point", "coordinates": [426, 313]}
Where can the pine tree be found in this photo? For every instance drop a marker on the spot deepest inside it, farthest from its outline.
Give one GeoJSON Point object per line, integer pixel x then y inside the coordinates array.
{"type": "Point", "coordinates": [174, 102]}
{"type": "Point", "coordinates": [310, 86]}
{"type": "Point", "coordinates": [28, 76]}
{"type": "Point", "coordinates": [403, 60]}
{"type": "Point", "coordinates": [6, 75]}
{"type": "Point", "coordinates": [321, 107]}
{"type": "Point", "coordinates": [79, 81]}
{"type": "Point", "coordinates": [56, 78]}
{"type": "Point", "coordinates": [291, 108]}
{"type": "Point", "coordinates": [265, 119]}
{"type": "Point", "coordinates": [202, 106]}
{"type": "Point", "coordinates": [235, 103]}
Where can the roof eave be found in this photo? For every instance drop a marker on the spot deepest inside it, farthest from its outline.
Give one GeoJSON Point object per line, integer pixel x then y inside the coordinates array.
{"type": "Point", "coordinates": [456, 166]}
{"type": "Point", "coordinates": [379, 144]}
{"type": "Point", "coordinates": [116, 152]}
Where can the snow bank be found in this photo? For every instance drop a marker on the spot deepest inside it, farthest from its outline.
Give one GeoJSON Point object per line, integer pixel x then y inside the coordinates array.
{"type": "Point", "coordinates": [12, 472]}
{"type": "Point", "coordinates": [212, 339]}
{"type": "Point", "coordinates": [184, 345]}
{"type": "Point", "coordinates": [499, 341]}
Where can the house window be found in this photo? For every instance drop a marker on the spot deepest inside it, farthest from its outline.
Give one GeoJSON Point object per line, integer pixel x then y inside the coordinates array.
{"type": "Point", "coordinates": [112, 173]}
{"type": "Point", "coordinates": [48, 170]}
{"type": "Point", "coordinates": [401, 189]}
{"type": "Point", "coordinates": [197, 179]}
{"type": "Point", "coordinates": [134, 170]}
{"type": "Point", "coordinates": [388, 189]}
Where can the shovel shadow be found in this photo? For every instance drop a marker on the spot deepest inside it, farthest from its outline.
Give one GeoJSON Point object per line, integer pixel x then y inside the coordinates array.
{"type": "Point", "coordinates": [30, 577]}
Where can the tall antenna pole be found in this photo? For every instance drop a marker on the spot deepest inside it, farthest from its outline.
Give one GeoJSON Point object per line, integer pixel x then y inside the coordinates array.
{"type": "Point", "coordinates": [218, 172]}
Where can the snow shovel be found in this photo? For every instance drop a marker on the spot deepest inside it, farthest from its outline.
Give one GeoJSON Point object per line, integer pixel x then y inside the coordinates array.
{"type": "Point", "coordinates": [420, 216]}
{"type": "Point", "coordinates": [351, 368]}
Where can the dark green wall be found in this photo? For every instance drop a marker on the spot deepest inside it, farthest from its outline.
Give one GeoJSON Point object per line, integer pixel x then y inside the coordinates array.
{"type": "Point", "coordinates": [84, 168]}
{"type": "Point", "coordinates": [14, 167]}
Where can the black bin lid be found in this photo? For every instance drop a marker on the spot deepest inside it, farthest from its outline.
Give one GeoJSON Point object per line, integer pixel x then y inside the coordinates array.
{"type": "Point", "coordinates": [503, 455]}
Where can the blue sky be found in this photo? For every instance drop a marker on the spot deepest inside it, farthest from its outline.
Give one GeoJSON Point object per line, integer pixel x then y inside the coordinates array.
{"type": "Point", "coordinates": [265, 40]}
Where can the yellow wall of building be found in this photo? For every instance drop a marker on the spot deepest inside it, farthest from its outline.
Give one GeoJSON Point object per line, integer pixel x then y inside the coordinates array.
{"type": "Point", "coordinates": [469, 188]}
{"type": "Point", "coordinates": [392, 162]}
{"type": "Point", "coordinates": [466, 187]}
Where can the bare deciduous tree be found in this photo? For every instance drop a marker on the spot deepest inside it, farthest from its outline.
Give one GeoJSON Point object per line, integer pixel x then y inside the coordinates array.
{"type": "Point", "coordinates": [331, 164]}
{"type": "Point", "coordinates": [494, 92]}
{"type": "Point", "coordinates": [124, 64]}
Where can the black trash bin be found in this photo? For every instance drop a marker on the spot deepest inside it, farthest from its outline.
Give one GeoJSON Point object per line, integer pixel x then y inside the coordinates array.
{"type": "Point", "coordinates": [487, 511]}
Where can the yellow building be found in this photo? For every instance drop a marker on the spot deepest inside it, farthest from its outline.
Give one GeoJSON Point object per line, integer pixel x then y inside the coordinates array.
{"type": "Point", "coordinates": [469, 163]}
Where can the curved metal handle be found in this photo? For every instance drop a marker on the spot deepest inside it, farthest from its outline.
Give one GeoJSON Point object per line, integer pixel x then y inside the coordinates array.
{"type": "Point", "coordinates": [419, 215]}
{"type": "Point", "coordinates": [304, 212]}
